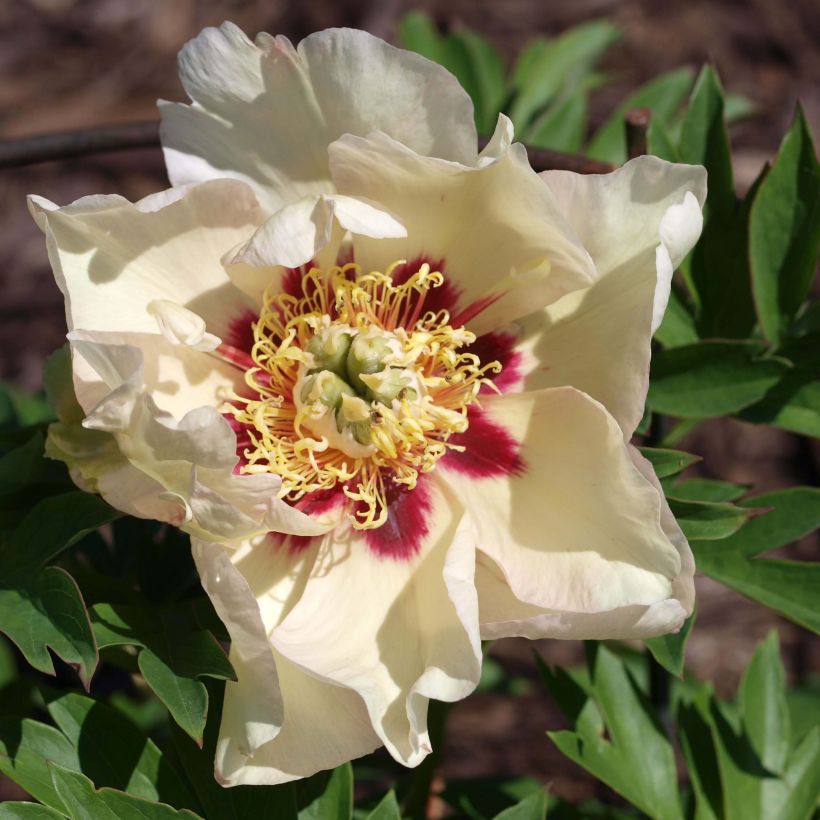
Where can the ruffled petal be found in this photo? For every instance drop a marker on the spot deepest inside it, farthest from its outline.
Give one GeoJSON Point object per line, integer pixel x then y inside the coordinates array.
{"type": "Point", "coordinates": [187, 463]}
{"type": "Point", "coordinates": [637, 223]}
{"type": "Point", "coordinates": [112, 258]}
{"type": "Point", "coordinates": [497, 228]}
{"type": "Point", "coordinates": [298, 232]}
{"type": "Point", "coordinates": [398, 631]}
{"type": "Point", "coordinates": [278, 723]}
{"type": "Point", "coordinates": [265, 112]}
{"type": "Point", "coordinates": [578, 542]}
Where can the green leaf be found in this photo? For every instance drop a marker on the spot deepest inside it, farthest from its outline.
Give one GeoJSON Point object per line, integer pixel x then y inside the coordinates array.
{"type": "Point", "coordinates": [28, 811]}
{"type": "Point", "coordinates": [562, 126]}
{"type": "Point", "coordinates": [52, 525]}
{"type": "Point", "coordinates": [707, 521]}
{"type": "Point", "coordinates": [26, 749]}
{"type": "Point", "coordinates": [802, 779]}
{"type": "Point", "coordinates": [710, 379]}
{"type": "Point", "coordinates": [763, 705]}
{"type": "Point", "coordinates": [559, 64]}
{"type": "Point", "coordinates": [388, 808]}
{"type": "Point", "coordinates": [704, 140]}
{"type": "Point", "coordinates": [794, 402]}
{"type": "Point", "coordinates": [789, 587]}
{"type": "Point", "coordinates": [336, 799]}
{"type": "Point", "coordinates": [533, 807]}
{"type": "Point", "coordinates": [23, 465]}
{"type": "Point", "coordinates": [678, 325]}
{"type": "Point", "coordinates": [694, 730]}
{"type": "Point", "coordinates": [632, 755]}
{"type": "Point", "coordinates": [794, 512]}
{"type": "Point", "coordinates": [84, 802]}
{"type": "Point", "coordinates": [482, 797]}
{"type": "Point", "coordinates": [659, 142]}
{"type": "Point", "coordinates": [112, 752]}
{"type": "Point", "coordinates": [175, 654]}
{"type": "Point", "coordinates": [707, 489]}
{"type": "Point", "coordinates": [482, 75]}
{"type": "Point", "coordinates": [668, 462]}
{"type": "Point", "coordinates": [663, 95]}
{"type": "Point", "coordinates": [417, 32]}
{"type": "Point", "coordinates": [669, 650]}
{"type": "Point", "coordinates": [23, 409]}
{"type": "Point", "coordinates": [47, 611]}
{"type": "Point", "coordinates": [784, 231]}
{"type": "Point", "coordinates": [719, 272]}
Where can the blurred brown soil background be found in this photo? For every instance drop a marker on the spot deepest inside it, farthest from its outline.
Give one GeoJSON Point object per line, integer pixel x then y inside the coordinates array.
{"type": "Point", "coordinates": [80, 63]}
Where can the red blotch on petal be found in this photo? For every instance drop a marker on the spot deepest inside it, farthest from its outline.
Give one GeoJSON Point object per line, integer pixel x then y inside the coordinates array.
{"type": "Point", "coordinates": [444, 297]}
{"type": "Point", "coordinates": [240, 331]}
{"type": "Point", "coordinates": [499, 346]}
{"type": "Point", "coordinates": [407, 524]}
{"type": "Point", "coordinates": [489, 450]}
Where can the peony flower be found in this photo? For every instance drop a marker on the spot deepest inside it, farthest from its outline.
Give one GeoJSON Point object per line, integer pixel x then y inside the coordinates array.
{"type": "Point", "coordinates": [387, 383]}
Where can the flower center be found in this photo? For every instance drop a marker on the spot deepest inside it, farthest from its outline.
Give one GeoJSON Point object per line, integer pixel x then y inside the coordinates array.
{"type": "Point", "coordinates": [355, 384]}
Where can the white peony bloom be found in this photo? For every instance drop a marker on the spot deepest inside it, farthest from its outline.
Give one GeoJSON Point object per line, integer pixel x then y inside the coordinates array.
{"type": "Point", "coordinates": [387, 383]}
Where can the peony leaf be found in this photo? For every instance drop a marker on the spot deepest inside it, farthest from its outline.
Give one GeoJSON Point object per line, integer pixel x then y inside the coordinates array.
{"type": "Point", "coordinates": [557, 64]}
{"type": "Point", "coordinates": [84, 802]}
{"type": "Point", "coordinates": [533, 807]}
{"type": "Point", "coordinates": [663, 95]}
{"type": "Point", "coordinates": [669, 650]}
{"type": "Point", "coordinates": [28, 811]}
{"type": "Point", "coordinates": [631, 752]}
{"type": "Point", "coordinates": [26, 749]}
{"type": "Point", "coordinates": [707, 489]}
{"type": "Point", "coordinates": [388, 808]}
{"type": "Point", "coordinates": [784, 231]}
{"type": "Point", "coordinates": [710, 379]}
{"type": "Point", "coordinates": [707, 521]}
{"type": "Point", "coordinates": [719, 272]}
{"type": "Point", "coordinates": [335, 799]}
{"type": "Point", "coordinates": [790, 587]}
{"type": "Point", "coordinates": [668, 462]}
{"type": "Point", "coordinates": [51, 526]}
{"type": "Point", "coordinates": [794, 402]}
{"type": "Point", "coordinates": [763, 705]}
{"type": "Point", "coordinates": [175, 654]}
{"type": "Point", "coordinates": [47, 612]}
{"type": "Point", "coordinates": [478, 66]}
{"type": "Point", "coordinates": [562, 126]}
{"type": "Point", "coordinates": [111, 751]}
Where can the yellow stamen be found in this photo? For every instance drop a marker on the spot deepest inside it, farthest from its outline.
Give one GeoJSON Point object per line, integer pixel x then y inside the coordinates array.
{"type": "Point", "coordinates": [429, 386]}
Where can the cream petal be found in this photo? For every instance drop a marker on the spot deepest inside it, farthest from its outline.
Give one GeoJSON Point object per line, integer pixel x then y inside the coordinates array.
{"type": "Point", "coordinates": [181, 326]}
{"type": "Point", "coordinates": [278, 723]}
{"type": "Point", "coordinates": [265, 112]}
{"type": "Point", "coordinates": [578, 534]}
{"type": "Point", "coordinates": [189, 461]}
{"type": "Point", "coordinates": [178, 378]}
{"type": "Point", "coordinates": [637, 223]}
{"type": "Point", "coordinates": [398, 631]}
{"type": "Point", "coordinates": [111, 258]}
{"type": "Point", "coordinates": [297, 233]}
{"type": "Point", "coordinates": [498, 228]}
{"type": "Point", "coordinates": [499, 143]}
